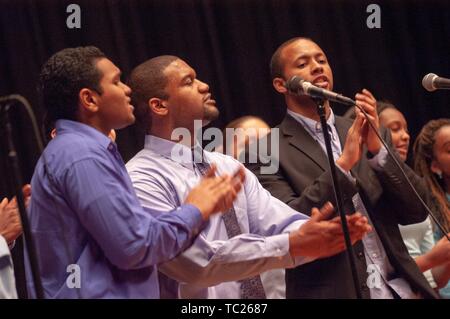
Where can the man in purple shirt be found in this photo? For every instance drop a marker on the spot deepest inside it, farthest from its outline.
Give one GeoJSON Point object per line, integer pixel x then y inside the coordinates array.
{"type": "Point", "coordinates": [93, 238]}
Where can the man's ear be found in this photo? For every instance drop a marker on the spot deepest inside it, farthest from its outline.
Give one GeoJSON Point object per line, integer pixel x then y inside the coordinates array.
{"type": "Point", "coordinates": [158, 106]}
{"type": "Point", "coordinates": [279, 85]}
{"type": "Point", "coordinates": [88, 99]}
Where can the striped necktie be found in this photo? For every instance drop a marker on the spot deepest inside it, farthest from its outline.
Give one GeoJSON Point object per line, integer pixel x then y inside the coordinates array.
{"type": "Point", "coordinates": [251, 288]}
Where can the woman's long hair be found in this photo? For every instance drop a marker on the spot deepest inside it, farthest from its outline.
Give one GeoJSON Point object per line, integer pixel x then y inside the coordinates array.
{"type": "Point", "coordinates": [423, 158]}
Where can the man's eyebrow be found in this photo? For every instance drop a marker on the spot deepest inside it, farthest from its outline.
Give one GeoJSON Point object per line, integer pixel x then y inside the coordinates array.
{"type": "Point", "coordinates": [302, 56]}
{"type": "Point", "coordinates": [308, 55]}
{"type": "Point", "coordinates": [191, 74]}
{"type": "Point", "coordinates": [186, 77]}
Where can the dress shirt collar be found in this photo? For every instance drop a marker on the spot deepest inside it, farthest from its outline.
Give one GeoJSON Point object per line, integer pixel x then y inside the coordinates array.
{"type": "Point", "coordinates": [313, 127]}
{"type": "Point", "coordinates": [73, 127]}
{"type": "Point", "coordinates": [176, 152]}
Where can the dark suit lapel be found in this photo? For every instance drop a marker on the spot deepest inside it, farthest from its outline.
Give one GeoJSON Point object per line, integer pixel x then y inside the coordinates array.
{"type": "Point", "coordinates": [300, 139]}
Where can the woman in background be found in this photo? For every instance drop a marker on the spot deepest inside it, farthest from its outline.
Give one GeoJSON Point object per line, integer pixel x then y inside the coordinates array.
{"type": "Point", "coordinates": [425, 243]}
{"type": "Point", "coordinates": [432, 162]}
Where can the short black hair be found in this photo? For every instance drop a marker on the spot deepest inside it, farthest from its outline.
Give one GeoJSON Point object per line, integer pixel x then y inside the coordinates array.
{"type": "Point", "coordinates": [63, 76]}
{"type": "Point", "coordinates": [383, 105]}
{"type": "Point", "coordinates": [147, 81]}
{"type": "Point", "coordinates": [276, 65]}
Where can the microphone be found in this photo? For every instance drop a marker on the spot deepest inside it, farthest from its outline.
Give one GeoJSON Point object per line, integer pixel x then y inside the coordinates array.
{"type": "Point", "coordinates": [299, 86]}
{"type": "Point", "coordinates": [431, 82]}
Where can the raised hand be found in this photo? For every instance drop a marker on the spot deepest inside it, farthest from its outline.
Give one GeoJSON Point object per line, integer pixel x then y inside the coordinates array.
{"type": "Point", "coordinates": [367, 101]}
{"type": "Point", "coordinates": [352, 151]}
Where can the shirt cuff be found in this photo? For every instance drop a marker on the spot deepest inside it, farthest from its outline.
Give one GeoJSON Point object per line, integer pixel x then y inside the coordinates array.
{"type": "Point", "coordinates": [429, 276]}
{"type": "Point", "coordinates": [299, 260]}
{"type": "Point", "coordinates": [347, 173]}
{"type": "Point", "coordinates": [250, 247]}
{"type": "Point", "coordinates": [378, 161]}
{"type": "Point", "coordinates": [191, 216]}
{"type": "Point", "coordinates": [4, 249]}
{"type": "Point", "coordinates": [11, 246]}
{"type": "Point", "coordinates": [278, 244]}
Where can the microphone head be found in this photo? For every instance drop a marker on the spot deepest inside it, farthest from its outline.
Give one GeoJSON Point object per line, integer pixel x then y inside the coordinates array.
{"type": "Point", "coordinates": [294, 84]}
{"type": "Point", "coordinates": [428, 82]}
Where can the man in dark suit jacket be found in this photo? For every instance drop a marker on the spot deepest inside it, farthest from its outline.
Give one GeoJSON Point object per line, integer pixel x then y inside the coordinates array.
{"type": "Point", "coordinates": [368, 178]}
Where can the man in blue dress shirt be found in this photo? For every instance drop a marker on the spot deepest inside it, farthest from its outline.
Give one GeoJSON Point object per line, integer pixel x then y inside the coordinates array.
{"type": "Point", "coordinates": [93, 238]}
{"type": "Point", "coordinates": [221, 263]}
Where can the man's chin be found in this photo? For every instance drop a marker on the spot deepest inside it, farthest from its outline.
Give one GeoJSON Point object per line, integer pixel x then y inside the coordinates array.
{"type": "Point", "coordinates": [130, 120]}
{"type": "Point", "coordinates": [210, 114]}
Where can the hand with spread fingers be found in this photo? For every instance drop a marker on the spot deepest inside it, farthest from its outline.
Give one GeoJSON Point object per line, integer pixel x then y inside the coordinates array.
{"type": "Point", "coordinates": [216, 193]}
{"type": "Point", "coordinates": [322, 235]}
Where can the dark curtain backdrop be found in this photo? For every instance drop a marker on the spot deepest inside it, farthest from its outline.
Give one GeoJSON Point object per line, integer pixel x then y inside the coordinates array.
{"type": "Point", "coordinates": [230, 43]}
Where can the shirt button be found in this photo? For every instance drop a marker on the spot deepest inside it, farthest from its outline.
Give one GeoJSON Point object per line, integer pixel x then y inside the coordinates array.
{"type": "Point", "coordinates": [364, 287]}
{"type": "Point", "coordinates": [360, 255]}
{"type": "Point", "coordinates": [110, 147]}
{"type": "Point", "coordinates": [374, 255]}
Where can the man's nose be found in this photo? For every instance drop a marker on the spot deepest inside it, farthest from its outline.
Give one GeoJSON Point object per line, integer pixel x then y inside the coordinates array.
{"type": "Point", "coordinates": [316, 67]}
{"type": "Point", "coordinates": [203, 87]}
{"type": "Point", "coordinates": [127, 89]}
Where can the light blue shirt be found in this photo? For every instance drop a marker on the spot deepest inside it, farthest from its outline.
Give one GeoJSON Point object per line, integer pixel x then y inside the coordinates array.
{"type": "Point", "coordinates": [93, 238]}
{"type": "Point", "coordinates": [373, 248]}
{"type": "Point", "coordinates": [211, 267]}
{"type": "Point", "coordinates": [419, 240]}
{"type": "Point", "coordinates": [7, 281]}
{"type": "Point", "coordinates": [445, 291]}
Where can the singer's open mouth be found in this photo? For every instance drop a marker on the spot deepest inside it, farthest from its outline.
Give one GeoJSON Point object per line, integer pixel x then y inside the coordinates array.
{"type": "Point", "coordinates": [208, 100]}
{"type": "Point", "coordinates": [321, 81]}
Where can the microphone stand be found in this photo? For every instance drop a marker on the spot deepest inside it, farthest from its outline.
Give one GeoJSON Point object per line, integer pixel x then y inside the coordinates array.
{"type": "Point", "coordinates": [338, 196]}
{"type": "Point", "coordinates": [17, 181]}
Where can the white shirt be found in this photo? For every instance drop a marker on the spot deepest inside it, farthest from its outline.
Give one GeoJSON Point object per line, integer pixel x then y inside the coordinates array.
{"type": "Point", "coordinates": [214, 261]}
